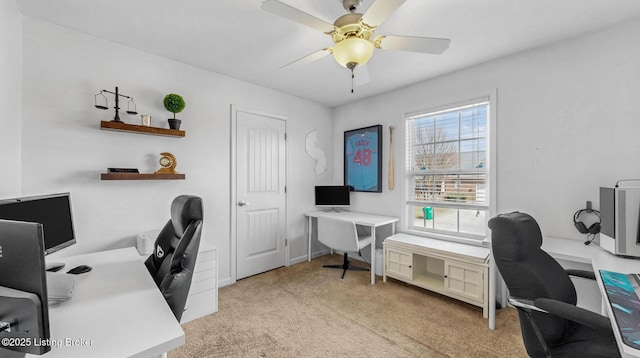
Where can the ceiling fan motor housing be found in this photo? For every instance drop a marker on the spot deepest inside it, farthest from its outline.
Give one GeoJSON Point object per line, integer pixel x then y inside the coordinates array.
{"type": "Point", "coordinates": [349, 25]}
{"type": "Point", "coordinates": [351, 5]}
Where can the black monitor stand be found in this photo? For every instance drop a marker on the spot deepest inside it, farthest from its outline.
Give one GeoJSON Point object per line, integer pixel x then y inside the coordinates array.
{"type": "Point", "coordinates": [20, 319]}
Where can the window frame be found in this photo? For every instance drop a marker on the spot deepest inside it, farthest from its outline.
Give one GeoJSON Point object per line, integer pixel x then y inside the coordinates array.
{"type": "Point", "coordinates": [491, 158]}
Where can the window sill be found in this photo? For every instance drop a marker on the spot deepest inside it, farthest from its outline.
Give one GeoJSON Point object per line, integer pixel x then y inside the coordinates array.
{"type": "Point", "coordinates": [486, 242]}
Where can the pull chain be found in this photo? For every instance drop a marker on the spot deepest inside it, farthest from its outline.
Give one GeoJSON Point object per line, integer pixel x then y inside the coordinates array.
{"type": "Point", "coordinates": [352, 80]}
{"type": "Point", "coordinates": [352, 66]}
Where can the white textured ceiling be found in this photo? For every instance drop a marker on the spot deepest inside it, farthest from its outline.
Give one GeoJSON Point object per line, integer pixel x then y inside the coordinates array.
{"type": "Point", "coordinates": [238, 39]}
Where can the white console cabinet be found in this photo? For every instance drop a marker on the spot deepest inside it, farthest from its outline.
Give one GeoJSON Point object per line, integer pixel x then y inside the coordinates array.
{"type": "Point", "coordinates": [456, 270]}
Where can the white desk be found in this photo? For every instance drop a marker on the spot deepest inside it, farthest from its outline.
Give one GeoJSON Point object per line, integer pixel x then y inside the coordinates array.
{"type": "Point", "coordinates": [363, 219]}
{"type": "Point", "coordinates": [116, 309]}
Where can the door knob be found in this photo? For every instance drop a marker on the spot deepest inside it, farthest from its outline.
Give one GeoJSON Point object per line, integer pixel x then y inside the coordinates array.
{"type": "Point", "coordinates": [242, 203]}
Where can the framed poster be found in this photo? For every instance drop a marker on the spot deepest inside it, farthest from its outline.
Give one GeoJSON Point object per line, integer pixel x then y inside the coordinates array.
{"type": "Point", "coordinates": [363, 159]}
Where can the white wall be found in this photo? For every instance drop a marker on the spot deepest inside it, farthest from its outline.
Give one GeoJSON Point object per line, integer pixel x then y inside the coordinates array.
{"type": "Point", "coordinates": [567, 124]}
{"type": "Point", "coordinates": [10, 98]}
{"type": "Point", "coordinates": [64, 150]}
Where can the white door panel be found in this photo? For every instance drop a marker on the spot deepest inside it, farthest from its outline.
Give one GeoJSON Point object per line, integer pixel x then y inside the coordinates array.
{"type": "Point", "coordinates": [262, 238]}
{"type": "Point", "coordinates": [260, 193]}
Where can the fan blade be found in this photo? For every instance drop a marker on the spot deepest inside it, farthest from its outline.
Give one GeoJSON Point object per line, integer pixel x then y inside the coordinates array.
{"type": "Point", "coordinates": [288, 12]}
{"type": "Point", "coordinates": [309, 58]}
{"type": "Point", "coordinates": [430, 45]}
{"type": "Point", "coordinates": [379, 11]}
{"type": "Point", "coordinates": [361, 75]}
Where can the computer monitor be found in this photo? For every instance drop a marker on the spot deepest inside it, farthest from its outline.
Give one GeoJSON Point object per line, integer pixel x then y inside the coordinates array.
{"type": "Point", "coordinates": [24, 314]}
{"type": "Point", "coordinates": [333, 196]}
{"type": "Point", "coordinates": [53, 211]}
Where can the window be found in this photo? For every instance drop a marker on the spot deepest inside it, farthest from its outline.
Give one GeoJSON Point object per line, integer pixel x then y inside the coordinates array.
{"type": "Point", "coordinates": [447, 170]}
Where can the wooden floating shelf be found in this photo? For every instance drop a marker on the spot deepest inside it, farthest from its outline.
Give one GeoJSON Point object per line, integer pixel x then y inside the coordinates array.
{"type": "Point", "coordinates": [134, 128]}
{"type": "Point", "coordinates": [138, 176]}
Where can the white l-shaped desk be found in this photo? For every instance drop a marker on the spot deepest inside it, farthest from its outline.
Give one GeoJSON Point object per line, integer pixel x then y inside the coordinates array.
{"type": "Point", "coordinates": [362, 219]}
{"type": "Point", "coordinates": [116, 311]}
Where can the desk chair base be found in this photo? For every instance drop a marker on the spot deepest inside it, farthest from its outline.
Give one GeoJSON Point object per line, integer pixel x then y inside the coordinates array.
{"type": "Point", "coordinates": [345, 266]}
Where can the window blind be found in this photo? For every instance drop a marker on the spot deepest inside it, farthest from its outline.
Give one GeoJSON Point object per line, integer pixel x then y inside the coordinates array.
{"type": "Point", "coordinates": [446, 159]}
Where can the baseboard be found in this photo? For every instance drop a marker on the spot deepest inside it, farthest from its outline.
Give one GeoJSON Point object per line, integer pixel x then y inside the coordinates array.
{"type": "Point", "coordinates": [303, 258]}
{"type": "Point", "coordinates": [225, 282]}
{"type": "Point", "coordinates": [228, 281]}
{"type": "Point", "coordinates": [320, 253]}
{"type": "Point", "coordinates": [298, 260]}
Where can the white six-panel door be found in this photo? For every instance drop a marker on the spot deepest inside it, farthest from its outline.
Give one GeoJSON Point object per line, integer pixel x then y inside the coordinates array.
{"type": "Point", "coordinates": [260, 199]}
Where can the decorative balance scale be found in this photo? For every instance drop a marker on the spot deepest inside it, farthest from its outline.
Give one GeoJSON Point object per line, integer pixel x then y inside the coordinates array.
{"type": "Point", "coordinates": [131, 105]}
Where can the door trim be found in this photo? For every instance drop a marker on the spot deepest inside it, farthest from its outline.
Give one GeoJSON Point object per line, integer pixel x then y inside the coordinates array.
{"type": "Point", "coordinates": [233, 239]}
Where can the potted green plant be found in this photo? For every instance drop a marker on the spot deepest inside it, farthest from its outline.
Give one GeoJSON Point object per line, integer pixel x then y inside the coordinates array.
{"type": "Point", "coordinates": [174, 103]}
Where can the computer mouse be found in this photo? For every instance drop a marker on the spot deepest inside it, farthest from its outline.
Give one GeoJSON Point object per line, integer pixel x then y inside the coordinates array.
{"type": "Point", "coordinates": [54, 266]}
{"type": "Point", "coordinates": [79, 269]}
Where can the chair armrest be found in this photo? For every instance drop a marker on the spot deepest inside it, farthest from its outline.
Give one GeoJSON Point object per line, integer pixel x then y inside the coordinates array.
{"type": "Point", "coordinates": [581, 273]}
{"type": "Point", "coordinates": [575, 314]}
{"type": "Point", "coordinates": [525, 304]}
{"type": "Point", "coordinates": [527, 307]}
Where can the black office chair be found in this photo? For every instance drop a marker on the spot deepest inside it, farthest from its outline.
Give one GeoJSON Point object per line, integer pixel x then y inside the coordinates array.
{"type": "Point", "coordinates": [541, 290]}
{"type": "Point", "coordinates": [175, 251]}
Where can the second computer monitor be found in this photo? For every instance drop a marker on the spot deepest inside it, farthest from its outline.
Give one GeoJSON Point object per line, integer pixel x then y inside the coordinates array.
{"type": "Point", "coordinates": [53, 211]}
{"type": "Point", "coordinates": [333, 196]}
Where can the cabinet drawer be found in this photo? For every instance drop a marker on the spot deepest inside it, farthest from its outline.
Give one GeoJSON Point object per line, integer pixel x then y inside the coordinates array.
{"type": "Point", "coordinates": [207, 255]}
{"type": "Point", "coordinates": [204, 266]}
{"type": "Point", "coordinates": [203, 275]}
{"type": "Point", "coordinates": [202, 285]}
{"type": "Point", "coordinates": [399, 263]}
{"type": "Point", "coordinates": [465, 280]}
{"type": "Point", "coordinates": [205, 296]}
{"type": "Point", "coordinates": [197, 310]}
{"type": "Point", "coordinates": [205, 261]}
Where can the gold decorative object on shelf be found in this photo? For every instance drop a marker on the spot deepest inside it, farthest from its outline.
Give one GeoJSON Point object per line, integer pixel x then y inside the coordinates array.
{"type": "Point", "coordinates": [168, 163]}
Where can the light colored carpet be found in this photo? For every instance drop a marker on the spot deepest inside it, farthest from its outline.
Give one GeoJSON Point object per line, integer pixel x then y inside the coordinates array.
{"type": "Point", "coordinates": [306, 310]}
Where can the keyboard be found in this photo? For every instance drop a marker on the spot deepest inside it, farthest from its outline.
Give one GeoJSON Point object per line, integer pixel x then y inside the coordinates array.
{"type": "Point", "coordinates": [623, 291]}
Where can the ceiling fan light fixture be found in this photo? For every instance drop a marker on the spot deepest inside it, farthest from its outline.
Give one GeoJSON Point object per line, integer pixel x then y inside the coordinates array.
{"type": "Point", "coordinates": [353, 50]}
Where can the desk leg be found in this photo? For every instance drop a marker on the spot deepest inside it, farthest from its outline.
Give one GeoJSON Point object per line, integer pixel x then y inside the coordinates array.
{"type": "Point", "coordinates": [373, 255]}
{"type": "Point", "coordinates": [310, 231]}
{"type": "Point", "coordinates": [492, 293]}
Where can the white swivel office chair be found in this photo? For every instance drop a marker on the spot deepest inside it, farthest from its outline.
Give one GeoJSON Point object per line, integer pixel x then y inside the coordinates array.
{"type": "Point", "coordinates": [342, 236]}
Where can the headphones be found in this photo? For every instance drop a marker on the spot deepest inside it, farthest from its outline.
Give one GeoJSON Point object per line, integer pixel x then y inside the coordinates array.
{"type": "Point", "coordinates": [582, 228]}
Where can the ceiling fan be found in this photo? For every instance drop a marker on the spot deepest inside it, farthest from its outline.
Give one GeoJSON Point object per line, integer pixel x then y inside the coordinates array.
{"type": "Point", "coordinates": [353, 33]}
